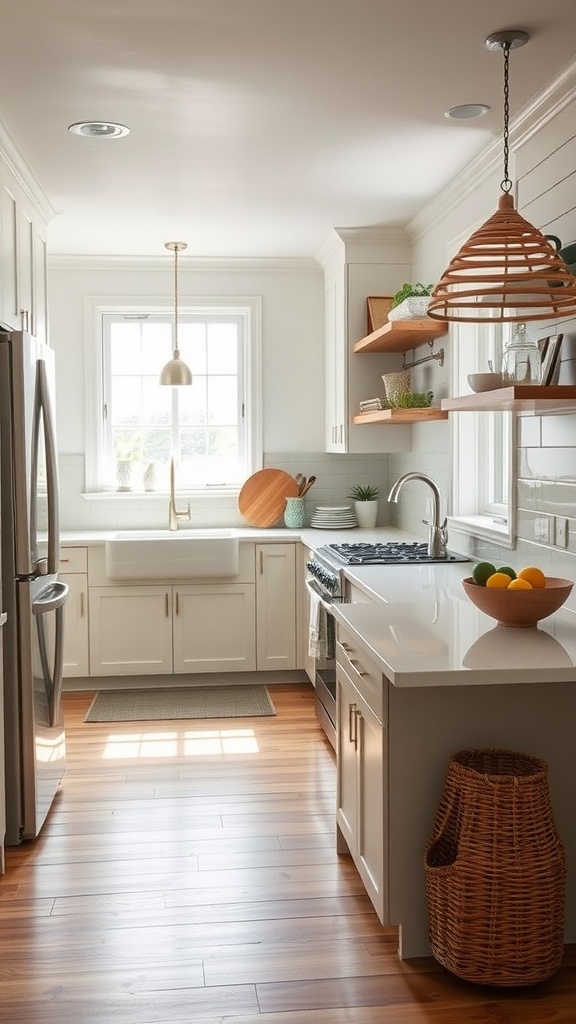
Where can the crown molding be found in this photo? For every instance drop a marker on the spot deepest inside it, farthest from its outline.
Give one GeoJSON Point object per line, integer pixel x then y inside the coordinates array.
{"type": "Point", "coordinates": [13, 162]}
{"type": "Point", "coordinates": [543, 108]}
{"type": "Point", "coordinates": [240, 265]}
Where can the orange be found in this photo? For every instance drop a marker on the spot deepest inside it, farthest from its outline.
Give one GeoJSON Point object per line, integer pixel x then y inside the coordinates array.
{"type": "Point", "coordinates": [520, 584]}
{"type": "Point", "coordinates": [534, 576]}
{"type": "Point", "coordinates": [498, 581]}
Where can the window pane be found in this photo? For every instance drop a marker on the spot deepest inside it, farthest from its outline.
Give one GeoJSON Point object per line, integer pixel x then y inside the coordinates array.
{"type": "Point", "coordinates": [192, 402]}
{"type": "Point", "coordinates": [156, 347]}
{"type": "Point", "coordinates": [126, 400]}
{"type": "Point", "coordinates": [222, 348]}
{"type": "Point", "coordinates": [222, 400]}
{"type": "Point", "coordinates": [125, 348]}
{"type": "Point", "coordinates": [157, 401]}
{"type": "Point", "coordinates": [192, 342]}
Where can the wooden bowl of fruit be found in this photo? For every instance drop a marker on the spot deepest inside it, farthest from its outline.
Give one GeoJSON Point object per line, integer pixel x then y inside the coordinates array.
{"type": "Point", "coordinates": [515, 599]}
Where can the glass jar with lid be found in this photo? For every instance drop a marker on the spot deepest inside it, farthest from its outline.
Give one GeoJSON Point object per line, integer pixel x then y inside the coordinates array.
{"type": "Point", "coordinates": [521, 361]}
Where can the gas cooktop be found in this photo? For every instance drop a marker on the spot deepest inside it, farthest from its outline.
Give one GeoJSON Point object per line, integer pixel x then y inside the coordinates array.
{"type": "Point", "coordinates": [388, 553]}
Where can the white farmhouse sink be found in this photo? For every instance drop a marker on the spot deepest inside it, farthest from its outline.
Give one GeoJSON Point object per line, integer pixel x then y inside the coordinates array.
{"type": "Point", "coordinates": [162, 554]}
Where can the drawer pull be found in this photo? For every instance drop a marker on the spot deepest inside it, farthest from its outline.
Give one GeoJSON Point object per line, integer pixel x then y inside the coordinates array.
{"type": "Point", "coordinates": [352, 730]}
{"type": "Point", "coordinates": [357, 667]}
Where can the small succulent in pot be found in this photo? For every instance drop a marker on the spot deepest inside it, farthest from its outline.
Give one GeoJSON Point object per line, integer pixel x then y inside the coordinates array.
{"type": "Point", "coordinates": [364, 492]}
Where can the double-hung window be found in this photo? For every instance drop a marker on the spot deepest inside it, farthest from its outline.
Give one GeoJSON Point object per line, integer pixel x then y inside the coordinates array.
{"type": "Point", "coordinates": [211, 427]}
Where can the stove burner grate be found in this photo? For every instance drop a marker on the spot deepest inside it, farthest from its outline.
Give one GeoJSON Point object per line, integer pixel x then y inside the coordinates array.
{"type": "Point", "coordinates": [390, 552]}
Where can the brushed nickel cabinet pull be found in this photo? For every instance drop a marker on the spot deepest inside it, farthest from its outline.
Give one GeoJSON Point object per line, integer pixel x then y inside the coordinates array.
{"type": "Point", "coordinates": [81, 605]}
{"type": "Point", "coordinates": [351, 723]}
{"type": "Point", "coordinates": [261, 563]}
{"type": "Point", "coordinates": [177, 603]}
{"type": "Point", "coordinates": [166, 609]}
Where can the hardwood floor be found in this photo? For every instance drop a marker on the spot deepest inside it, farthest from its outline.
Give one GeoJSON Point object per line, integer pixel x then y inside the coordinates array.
{"type": "Point", "coordinates": [188, 873]}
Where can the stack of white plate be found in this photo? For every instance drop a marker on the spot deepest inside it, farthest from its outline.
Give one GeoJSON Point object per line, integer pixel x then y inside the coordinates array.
{"type": "Point", "coordinates": [333, 517]}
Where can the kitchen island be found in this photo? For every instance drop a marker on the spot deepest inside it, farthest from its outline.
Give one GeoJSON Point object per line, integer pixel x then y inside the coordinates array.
{"type": "Point", "coordinates": [451, 678]}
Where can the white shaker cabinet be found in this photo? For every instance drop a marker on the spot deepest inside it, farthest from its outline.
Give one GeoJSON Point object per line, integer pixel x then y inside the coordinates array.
{"type": "Point", "coordinates": [130, 630]}
{"type": "Point", "coordinates": [214, 627]}
{"type": "Point", "coordinates": [74, 572]}
{"type": "Point", "coordinates": [276, 606]}
{"type": "Point", "coordinates": [358, 264]}
{"type": "Point", "coordinates": [23, 299]}
{"type": "Point", "coordinates": [362, 759]}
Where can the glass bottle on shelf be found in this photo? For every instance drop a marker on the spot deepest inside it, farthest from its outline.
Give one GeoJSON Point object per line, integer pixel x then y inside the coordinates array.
{"type": "Point", "coordinates": [521, 362]}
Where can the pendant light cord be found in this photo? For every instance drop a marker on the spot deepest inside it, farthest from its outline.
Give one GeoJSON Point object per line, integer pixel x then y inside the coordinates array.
{"type": "Point", "coordinates": [506, 184]}
{"type": "Point", "coordinates": [176, 349]}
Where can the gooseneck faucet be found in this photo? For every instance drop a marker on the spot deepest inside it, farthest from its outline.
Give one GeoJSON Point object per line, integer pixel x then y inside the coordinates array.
{"type": "Point", "coordinates": [437, 535]}
{"type": "Point", "coordinates": [173, 514]}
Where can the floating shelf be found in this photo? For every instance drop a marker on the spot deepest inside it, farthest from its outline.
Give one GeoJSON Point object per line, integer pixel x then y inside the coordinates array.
{"type": "Point", "coordinates": [401, 335]}
{"type": "Point", "coordinates": [388, 416]}
{"type": "Point", "coordinates": [516, 398]}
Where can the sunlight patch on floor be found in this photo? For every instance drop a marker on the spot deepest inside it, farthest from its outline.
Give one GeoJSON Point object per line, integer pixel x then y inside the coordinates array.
{"type": "Point", "coordinates": [195, 743]}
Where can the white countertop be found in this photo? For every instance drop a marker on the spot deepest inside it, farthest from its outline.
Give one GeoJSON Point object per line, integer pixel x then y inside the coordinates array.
{"type": "Point", "coordinates": [420, 627]}
{"type": "Point", "coordinates": [423, 631]}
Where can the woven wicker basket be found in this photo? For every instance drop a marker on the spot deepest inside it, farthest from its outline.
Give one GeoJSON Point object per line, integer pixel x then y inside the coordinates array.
{"type": "Point", "coordinates": [495, 871]}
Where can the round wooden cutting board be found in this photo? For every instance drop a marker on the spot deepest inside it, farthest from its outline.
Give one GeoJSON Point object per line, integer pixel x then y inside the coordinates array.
{"type": "Point", "coordinates": [262, 499]}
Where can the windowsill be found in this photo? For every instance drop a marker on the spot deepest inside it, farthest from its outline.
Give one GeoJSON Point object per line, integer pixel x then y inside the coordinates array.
{"type": "Point", "coordinates": [181, 494]}
{"type": "Point", "coordinates": [484, 528]}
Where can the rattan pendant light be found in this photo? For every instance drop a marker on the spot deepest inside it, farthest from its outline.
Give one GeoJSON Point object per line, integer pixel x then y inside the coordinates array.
{"type": "Point", "coordinates": [507, 265]}
{"type": "Point", "coordinates": [176, 373]}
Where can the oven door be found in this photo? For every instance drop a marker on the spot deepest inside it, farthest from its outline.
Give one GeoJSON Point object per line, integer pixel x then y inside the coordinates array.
{"type": "Point", "coordinates": [324, 661]}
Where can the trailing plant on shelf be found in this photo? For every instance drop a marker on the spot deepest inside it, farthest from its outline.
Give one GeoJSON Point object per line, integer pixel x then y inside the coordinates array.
{"type": "Point", "coordinates": [412, 400]}
{"type": "Point", "coordinates": [408, 291]}
{"type": "Point", "coordinates": [364, 492]}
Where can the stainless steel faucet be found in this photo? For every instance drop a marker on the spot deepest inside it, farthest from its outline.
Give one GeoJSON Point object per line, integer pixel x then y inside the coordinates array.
{"type": "Point", "coordinates": [174, 516]}
{"type": "Point", "coordinates": [437, 535]}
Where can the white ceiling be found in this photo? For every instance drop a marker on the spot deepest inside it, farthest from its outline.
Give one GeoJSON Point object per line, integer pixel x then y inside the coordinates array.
{"type": "Point", "coordinates": [257, 125]}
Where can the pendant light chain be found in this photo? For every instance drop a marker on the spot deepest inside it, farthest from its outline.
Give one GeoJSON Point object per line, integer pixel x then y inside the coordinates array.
{"type": "Point", "coordinates": [506, 184]}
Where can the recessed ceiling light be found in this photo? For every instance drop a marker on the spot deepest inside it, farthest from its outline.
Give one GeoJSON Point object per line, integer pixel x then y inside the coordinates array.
{"type": "Point", "coordinates": [99, 129]}
{"type": "Point", "coordinates": [467, 110]}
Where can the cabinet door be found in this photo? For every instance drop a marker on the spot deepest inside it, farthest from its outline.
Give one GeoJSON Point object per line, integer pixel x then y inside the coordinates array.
{"type": "Point", "coordinates": [276, 606]}
{"type": "Point", "coordinates": [305, 660]}
{"type": "Point", "coordinates": [214, 628]}
{"type": "Point", "coordinates": [76, 625]}
{"type": "Point", "coordinates": [335, 365]}
{"type": "Point", "coordinates": [9, 310]}
{"type": "Point", "coordinates": [25, 282]}
{"type": "Point", "coordinates": [130, 630]}
{"type": "Point", "coordinates": [372, 825]}
{"type": "Point", "coordinates": [347, 762]}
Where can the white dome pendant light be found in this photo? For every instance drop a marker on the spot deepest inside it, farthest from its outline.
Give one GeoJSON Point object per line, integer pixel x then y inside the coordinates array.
{"type": "Point", "coordinates": [507, 265]}
{"type": "Point", "coordinates": [176, 373]}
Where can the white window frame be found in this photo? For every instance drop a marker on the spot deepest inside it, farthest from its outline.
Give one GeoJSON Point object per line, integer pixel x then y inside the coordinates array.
{"type": "Point", "coordinates": [248, 307]}
{"type": "Point", "coordinates": [473, 452]}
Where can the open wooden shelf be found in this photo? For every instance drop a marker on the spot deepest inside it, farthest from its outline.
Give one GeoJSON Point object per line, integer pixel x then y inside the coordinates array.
{"type": "Point", "coordinates": [388, 416]}
{"type": "Point", "coordinates": [516, 398]}
{"type": "Point", "coordinates": [401, 335]}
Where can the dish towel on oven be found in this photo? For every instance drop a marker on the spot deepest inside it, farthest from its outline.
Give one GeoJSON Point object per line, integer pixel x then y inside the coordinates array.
{"type": "Point", "coordinates": [321, 637]}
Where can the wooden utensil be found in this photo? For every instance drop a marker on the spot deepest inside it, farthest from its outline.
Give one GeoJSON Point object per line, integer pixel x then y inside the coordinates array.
{"type": "Point", "coordinates": [300, 480]}
{"type": "Point", "coordinates": [262, 499]}
{"type": "Point", "coordinates": [311, 480]}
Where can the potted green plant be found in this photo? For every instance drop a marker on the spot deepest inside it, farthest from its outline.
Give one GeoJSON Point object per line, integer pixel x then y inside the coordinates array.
{"type": "Point", "coordinates": [365, 498]}
{"type": "Point", "coordinates": [410, 302]}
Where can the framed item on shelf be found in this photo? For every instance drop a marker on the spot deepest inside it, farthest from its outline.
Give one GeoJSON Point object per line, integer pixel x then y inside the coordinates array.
{"type": "Point", "coordinates": [549, 353]}
{"type": "Point", "coordinates": [377, 309]}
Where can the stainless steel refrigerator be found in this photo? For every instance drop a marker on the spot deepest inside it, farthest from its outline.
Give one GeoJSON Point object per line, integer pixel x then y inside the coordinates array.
{"type": "Point", "coordinates": [32, 596]}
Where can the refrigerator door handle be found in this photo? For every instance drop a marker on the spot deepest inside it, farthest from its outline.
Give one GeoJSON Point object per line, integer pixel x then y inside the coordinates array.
{"type": "Point", "coordinates": [3, 618]}
{"type": "Point", "coordinates": [54, 601]}
{"type": "Point", "coordinates": [44, 412]}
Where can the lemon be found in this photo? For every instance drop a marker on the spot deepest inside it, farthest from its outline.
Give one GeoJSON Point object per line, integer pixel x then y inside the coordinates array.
{"type": "Point", "coordinates": [534, 576]}
{"type": "Point", "coordinates": [482, 571]}
{"type": "Point", "coordinates": [498, 581]}
{"type": "Point", "coordinates": [519, 584]}
{"type": "Point", "coordinates": [508, 570]}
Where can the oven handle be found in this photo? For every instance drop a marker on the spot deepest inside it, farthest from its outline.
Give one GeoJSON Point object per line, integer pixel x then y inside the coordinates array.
{"type": "Point", "coordinates": [327, 602]}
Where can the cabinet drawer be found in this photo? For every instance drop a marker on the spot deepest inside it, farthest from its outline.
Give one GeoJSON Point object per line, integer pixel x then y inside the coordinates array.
{"type": "Point", "coordinates": [365, 675]}
{"type": "Point", "coordinates": [73, 560]}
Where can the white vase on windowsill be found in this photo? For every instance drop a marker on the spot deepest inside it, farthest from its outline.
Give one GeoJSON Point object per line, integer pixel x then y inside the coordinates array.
{"type": "Point", "coordinates": [124, 475]}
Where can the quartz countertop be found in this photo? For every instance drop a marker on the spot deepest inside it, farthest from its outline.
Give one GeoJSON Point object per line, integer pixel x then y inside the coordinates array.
{"type": "Point", "coordinates": [422, 630]}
